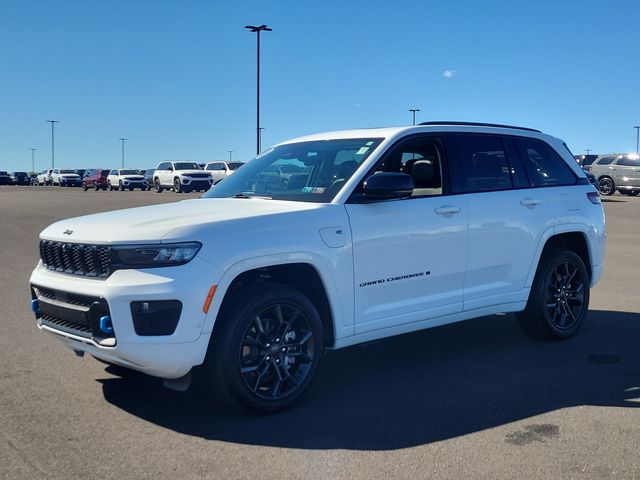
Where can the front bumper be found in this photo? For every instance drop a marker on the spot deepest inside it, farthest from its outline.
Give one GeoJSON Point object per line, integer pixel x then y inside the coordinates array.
{"type": "Point", "coordinates": [135, 184]}
{"type": "Point", "coordinates": [197, 183]}
{"type": "Point", "coordinates": [166, 356]}
{"type": "Point", "coordinates": [70, 182]}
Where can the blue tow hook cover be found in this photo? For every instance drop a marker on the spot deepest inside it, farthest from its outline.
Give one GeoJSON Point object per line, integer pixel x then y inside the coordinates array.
{"type": "Point", "coordinates": [35, 306]}
{"type": "Point", "coordinates": [105, 324]}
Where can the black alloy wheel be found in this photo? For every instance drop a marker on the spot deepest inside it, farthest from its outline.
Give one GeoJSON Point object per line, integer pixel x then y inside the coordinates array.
{"type": "Point", "coordinates": [606, 186]}
{"type": "Point", "coordinates": [559, 298]}
{"type": "Point", "coordinates": [565, 300]}
{"type": "Point", "coordinates": [267, 349]}
{"type": "Point", "coordinates": [276, 351]}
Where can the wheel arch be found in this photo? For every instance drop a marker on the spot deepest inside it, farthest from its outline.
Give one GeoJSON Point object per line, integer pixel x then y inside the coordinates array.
{"type": "Point", "coordinates": [301, 275]}
{"type": "Point", "coordinates": [573, 240]}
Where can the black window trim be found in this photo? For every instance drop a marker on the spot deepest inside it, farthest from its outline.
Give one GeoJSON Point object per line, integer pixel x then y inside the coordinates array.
{"type": "Point", "coordinates": [444, 166]}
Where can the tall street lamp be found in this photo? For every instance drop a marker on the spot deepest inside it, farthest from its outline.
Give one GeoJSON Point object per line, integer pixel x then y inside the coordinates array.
{"type": "Point", "coordinates": [122, 140]}
{"type": "Point", "coordinates": [413, 111]}
{"type": "Point", "coordinates": [257, 29]}
{"type": "Point", "coordinates": [230, 152]}
{"type": "Point", "coordinates": [637, 127]}
{"type": "Point", "coordinates": [33, 162]}
{"type": "Point", "coordinates": [52, 122]}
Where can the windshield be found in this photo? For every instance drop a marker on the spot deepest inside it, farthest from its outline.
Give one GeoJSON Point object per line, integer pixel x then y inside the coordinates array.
{"type": "Point", "coordinates": [129, 172]}
{"type": "Point", "coordinates": [186, 166]}
{"type": "Point", "coordinates": [67, 171]}
{"type": "Point", "coordinates": [235, 165]}
{"type": "Point", "coordinates": [302, 172]}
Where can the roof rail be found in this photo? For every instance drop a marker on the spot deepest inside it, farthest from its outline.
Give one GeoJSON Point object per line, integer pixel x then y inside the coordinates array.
{"type": "Point", "coordinates": [479, 124]}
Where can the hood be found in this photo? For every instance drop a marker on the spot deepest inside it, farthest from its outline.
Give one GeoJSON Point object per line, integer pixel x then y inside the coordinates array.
{"type": "Point", "coordinates": [191, 172]}
{"type": "Point", "coordinates": [153, 223]}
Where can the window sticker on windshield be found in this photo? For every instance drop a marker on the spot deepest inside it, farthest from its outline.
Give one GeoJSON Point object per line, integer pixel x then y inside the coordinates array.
{"type": "Point", "coordinates": [315, 190]}
{"type": "Point", "coordinates": [362, 151]}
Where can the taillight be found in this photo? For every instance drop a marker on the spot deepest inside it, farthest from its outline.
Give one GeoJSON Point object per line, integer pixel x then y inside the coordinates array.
{"type": "Point", "coordinates": [590, 169]}
{"type": "Point", "coordinates": [594, 197]}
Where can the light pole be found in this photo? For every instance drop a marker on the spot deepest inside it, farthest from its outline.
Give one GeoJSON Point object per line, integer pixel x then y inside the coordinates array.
{"type": "Point", "coordinates": [122, 140]}
{"type": "Point", "coordinates": [230, 152]}
{"type": "Point", "coordinates": [588, 150]}
{"type": "Point", "coordinates": [52, 122]}
{"type": "Point", "coordinates": [260, 139]}
{"type": "Point", "coordinates": [637, 127]}
{"type": "Point", "coordinates": [257, 29]}
{"type": "Point", "coordinates": [33, 162]}
{"type": "Point", "coordinates": [413, 111]}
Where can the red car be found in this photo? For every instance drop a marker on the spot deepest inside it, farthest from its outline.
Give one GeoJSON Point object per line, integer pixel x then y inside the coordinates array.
{"type": "Point", "coordinates": [95, 178]}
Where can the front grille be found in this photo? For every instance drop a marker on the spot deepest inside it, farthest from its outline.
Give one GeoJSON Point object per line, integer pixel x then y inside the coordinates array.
{"type": "Point", "coordinates": [67, 297]}
{"type": "Point", "coordinates": [76, 258]}
{"type": "Point", "coordinates": [198, 175]}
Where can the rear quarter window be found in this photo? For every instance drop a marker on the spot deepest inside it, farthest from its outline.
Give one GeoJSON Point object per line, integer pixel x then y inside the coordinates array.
{"type": "Point", "coordinates": [543, 164]}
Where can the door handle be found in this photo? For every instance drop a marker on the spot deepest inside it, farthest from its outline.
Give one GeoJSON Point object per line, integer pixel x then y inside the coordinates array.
{"type": "Point", "coordinates": [447, 210]}
{"type": "Point", "coordinates": [530, 202]}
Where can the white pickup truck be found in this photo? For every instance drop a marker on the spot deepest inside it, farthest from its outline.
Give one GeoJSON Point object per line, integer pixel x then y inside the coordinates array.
{"type": "Point", "coordinates": [323, 242]}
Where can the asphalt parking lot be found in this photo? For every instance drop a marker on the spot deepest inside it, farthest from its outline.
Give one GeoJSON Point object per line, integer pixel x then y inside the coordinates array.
{"type": "Point", "coordinates": [478, 399]}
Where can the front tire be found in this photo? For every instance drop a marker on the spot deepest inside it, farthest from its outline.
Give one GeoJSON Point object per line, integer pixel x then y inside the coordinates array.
{"type": "Point", "coordinates": [559, 297]}
{"type": "Point", "coordinates": [267, 347]}
{"type": "Point", "coordinates": [177, 185]}
{"type": "Point", "coordinates": [157, 185]}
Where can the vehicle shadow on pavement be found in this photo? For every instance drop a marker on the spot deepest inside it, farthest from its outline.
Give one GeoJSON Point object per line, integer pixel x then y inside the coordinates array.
{"type": "Point", "coordinates": [418, 388]}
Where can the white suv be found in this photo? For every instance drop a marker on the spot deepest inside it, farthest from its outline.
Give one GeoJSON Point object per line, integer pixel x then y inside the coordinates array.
{"type": "Point", "coordinates": [220, 169]}
{"type": "Point", "coordinates": [181, 176]}
{"type": "Point", "coordinates": [123, 179]}
{"type": "Point", "coordinates": [323, 242]}
{"type": "Point", "coordinates": [65, 178]}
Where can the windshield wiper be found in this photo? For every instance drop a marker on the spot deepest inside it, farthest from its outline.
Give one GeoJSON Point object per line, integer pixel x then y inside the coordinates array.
{"type": "Point", "coordinates": [244, 195]}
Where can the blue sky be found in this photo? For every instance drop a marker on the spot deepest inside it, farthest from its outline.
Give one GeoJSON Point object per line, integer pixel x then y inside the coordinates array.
{"type": "Point", "coordinates": [177, 78]}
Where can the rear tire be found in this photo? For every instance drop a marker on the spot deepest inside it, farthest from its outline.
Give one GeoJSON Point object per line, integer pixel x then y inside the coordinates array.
{"type": "Point", "coordinates": [606, 187]}
{"type": "Point", "coordinates": [559, 297]}
{"type": "Point", "coordinates": [266, 348]}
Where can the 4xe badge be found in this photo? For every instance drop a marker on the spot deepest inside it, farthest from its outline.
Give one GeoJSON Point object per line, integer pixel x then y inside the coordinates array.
{"type": "Point", "coordinates": [67, 232]}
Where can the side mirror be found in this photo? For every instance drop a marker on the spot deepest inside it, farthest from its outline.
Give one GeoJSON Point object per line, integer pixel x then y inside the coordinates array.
{"type": "Point", "coordinates": [386, 186]}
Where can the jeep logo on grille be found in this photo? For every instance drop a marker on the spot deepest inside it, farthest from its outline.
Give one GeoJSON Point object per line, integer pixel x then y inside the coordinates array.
{"type": "Point", "coordinates": [67, 232]}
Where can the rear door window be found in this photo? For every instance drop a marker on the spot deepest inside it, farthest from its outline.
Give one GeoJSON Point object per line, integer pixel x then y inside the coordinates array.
{"type": "Point", "coordinates": [544, 165]}
{"type": "Point", "coordinates": [481, 163]}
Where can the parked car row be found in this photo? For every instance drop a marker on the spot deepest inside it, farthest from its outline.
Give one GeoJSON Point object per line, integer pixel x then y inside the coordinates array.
{"type": "Point", "coordinates": [179, 176]}
{"type": "Point", "coordinates": [15, 178]}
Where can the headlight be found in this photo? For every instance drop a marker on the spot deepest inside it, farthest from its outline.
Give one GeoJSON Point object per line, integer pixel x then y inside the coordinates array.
{"type": "Point", "coordinates": [159, 255]}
